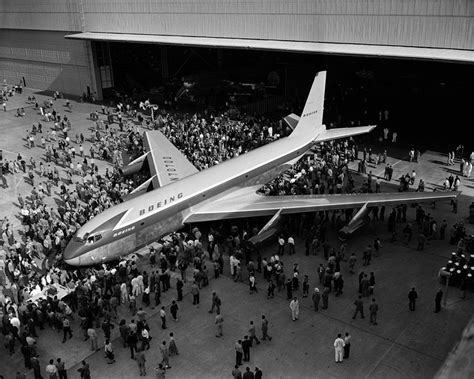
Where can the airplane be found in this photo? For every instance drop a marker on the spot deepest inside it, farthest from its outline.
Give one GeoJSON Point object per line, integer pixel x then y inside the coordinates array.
{"type": "Point", "coordinates": [178, 194]}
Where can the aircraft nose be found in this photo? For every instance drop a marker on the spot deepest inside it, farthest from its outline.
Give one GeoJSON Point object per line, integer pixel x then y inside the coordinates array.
{"type": "Point", "coordinates": [73, 252]}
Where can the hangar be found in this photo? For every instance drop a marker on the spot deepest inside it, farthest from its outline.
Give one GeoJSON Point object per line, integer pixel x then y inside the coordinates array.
{"type": "Point", "coordinates": [422, 51]}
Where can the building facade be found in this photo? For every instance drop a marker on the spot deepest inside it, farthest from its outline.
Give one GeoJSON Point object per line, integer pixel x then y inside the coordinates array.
{"type": "Point", "coordinates": [34, 50]}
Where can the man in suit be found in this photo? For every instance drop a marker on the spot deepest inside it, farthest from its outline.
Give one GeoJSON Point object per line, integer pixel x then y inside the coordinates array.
{"type": "Point", "coordinates": [412, 296]}
{"type": "Point", "coordinates": [246, 344]}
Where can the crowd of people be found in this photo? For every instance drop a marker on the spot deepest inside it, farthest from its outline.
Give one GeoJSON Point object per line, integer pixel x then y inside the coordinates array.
{"type": "Point", "coordinates": [31, 256]}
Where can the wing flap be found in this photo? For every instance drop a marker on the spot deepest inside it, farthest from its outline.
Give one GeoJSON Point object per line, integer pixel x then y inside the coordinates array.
{"type": "Point", "coordinates": [166, 162]}
{"type": "Point", "coordinates": [255, 205]}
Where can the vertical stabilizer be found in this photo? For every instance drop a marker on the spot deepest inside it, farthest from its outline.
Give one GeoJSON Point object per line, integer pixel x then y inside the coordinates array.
{"type": "Point", "coordinates": [311, 120]}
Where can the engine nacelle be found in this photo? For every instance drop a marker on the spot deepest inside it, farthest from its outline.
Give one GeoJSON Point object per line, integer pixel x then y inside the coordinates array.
{"type": "Point", "coordinates": [134, 166]}
{"type": "Point", "coordinates": [268, 232]}
{"type": "Point", "coordinates": [360, 219]}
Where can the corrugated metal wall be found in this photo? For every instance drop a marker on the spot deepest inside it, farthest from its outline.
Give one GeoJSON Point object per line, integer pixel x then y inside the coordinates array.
{"type": "Point", "coordinates": [425, 23]}
{"type": "Point", "coordinates": [34, 50]}
{"type": "Point", "coordinates": [58, 15]}
{"type": "Point", "coordinates": [45, 59]}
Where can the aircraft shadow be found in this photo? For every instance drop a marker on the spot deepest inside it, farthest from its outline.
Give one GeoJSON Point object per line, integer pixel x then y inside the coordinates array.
{"type": "Point", "coordinates": [437, 161]}
{"type": "Point", "coordinates": [452, 171]}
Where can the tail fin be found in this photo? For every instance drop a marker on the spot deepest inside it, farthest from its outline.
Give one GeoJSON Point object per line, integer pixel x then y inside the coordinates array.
{"type": "Point", "coordinates": [311, 121]}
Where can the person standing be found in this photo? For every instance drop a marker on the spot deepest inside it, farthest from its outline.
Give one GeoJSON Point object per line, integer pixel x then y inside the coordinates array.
{"type": "Point", "coordinates": [438, 298]}
{"type": "Point", "coordinates": [195, 293]}
{"type": "Point", "coordinates": [109, 352]}
{"type": "Point", "coordinates": [174, 310]}
{"type": "Point", "coordinates": [289, 289]}
{"type": "Point", "coordinates": [305, 286]}
{"type": "Point", "coordinates": [347, 345]}
{"type": "Point", "coordinates": [359, 304]}
{"type": "Point", "coordinates": [179, 288]}
{"type": "Point", "coordinates": [371, 283]}
{"type": "Point", "coordinates": [412, 296]}
{"type": "Point", "coordinates": [316, 298]}
{"type": "Point", "coordinates": [373, 309]}
{"type": "Point", "coordinates": [84, 370]}
{"type": "Point", "coordinates": [291, 245]}
{"type": "Point", "coordinates": [258, 373]}
{"type": "Point", "coordinates": [246, 345]}
{"type": "Point", "coordinates": [295, 308]}
{"type": "Point", "coordinates": [281, 245]}
{"type": "Point", "coordinates": [216, 303]}
{"type": "Point", "coordinates": [66, 329]}
{"type": "Point", "coordinates": [132, 343]}
{"type": "Point", "coordinates": [338, 348]}
{"type": "Point", "coordinates": [52, 370]}
{"type": "Point", "coordinates": [163, 317]}
{"type": "Point", "coordinates": [265, 334]}
{"type": "Point", "coordinates": [252, 284]}
{"type": "Point", "coordinates": [165, 355]}
{"type": "Point", "coordinates": [325, 297]}
{"type": "Point", "coordinates": [62, 372]}
{"type": "Point", "coordinates": [253, 334]}
{"type": "Point", "coordinates": [145, 339]}
{"type": "Point", "coordinates": [140, 358]}
{"type": "Point", "coordinates": [238, 353]}
{"type": "Point", "coordinates": [91, 332]}
{"type": "Point", "coordinates": [352, 262]}
{"type": "Point", "coordinates": [248, 374]}
{"type": "Point", "coordinates": [172, 348]}
{"type": "Point", "coordinates": [236, 373]}
{"type": "Point", "coordinates": [219, 321]}
{"type": "Point", "coordinates": [35, 364]}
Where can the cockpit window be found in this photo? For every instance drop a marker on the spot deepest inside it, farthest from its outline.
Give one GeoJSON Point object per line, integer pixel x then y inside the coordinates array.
{"type": "Point", "coordinates": [93, 238]}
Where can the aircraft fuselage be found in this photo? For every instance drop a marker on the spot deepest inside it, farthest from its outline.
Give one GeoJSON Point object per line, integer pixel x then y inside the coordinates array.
{"type": "Point", "coordinates": [128, 226]}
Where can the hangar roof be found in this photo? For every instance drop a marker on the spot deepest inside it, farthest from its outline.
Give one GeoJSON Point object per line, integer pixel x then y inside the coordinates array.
{"type": "Point", "coordinates": [290, 46]}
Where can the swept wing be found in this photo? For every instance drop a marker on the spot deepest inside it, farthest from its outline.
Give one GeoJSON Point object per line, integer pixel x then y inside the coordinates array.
{"type": "Point", "coordinates": [260, 205]}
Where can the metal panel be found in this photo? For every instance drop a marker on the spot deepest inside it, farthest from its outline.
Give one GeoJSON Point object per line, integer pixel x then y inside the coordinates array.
{"type": "Point", "coordinates": [423, 23]}
{"type": "Point", "coordinates": [46, 59]}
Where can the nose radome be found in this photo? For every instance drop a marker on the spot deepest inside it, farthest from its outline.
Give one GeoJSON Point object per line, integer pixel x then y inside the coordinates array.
{"type": "Point", "coordinates": [73, 261]}
{"type": "Point", "coordinates": [73, 251]}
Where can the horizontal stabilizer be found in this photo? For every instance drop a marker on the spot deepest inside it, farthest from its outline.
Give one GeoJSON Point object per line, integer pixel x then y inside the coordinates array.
{"type": "Point", "coordinates": [292, 120]}
{"type": "Point", "coordinates": [337, 133]}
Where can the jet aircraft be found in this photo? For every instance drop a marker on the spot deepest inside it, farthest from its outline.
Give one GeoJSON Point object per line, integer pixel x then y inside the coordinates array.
{"type": "Point", "coordinates": [177, 193]}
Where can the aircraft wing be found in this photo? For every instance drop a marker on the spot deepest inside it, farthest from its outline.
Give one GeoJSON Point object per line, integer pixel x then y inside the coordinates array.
{"type": "Point", "coordinates": [260, 205]}
{"type": "Point", "coordinates": [167, 164]}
